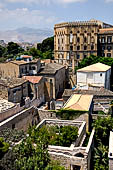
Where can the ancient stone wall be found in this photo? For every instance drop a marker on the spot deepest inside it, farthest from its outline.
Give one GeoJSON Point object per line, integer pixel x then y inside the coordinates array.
{"type": "Point", "coordinates": [21, 120]}
{"type": "Point", "coordinates": [10, 112]}
{"type": "Point", "coordinates": [45, 114]}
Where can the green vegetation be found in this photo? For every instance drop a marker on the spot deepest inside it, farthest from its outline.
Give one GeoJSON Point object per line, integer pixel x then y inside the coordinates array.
{"type": "Point", "coordinates": [69, 114]}
{"type": "Point", "coordinates": [31, 153]}
{"type": "Point", "coordinates": [3, 147]}
{"type": "Point", "coordinates": [44, 50]}
{"type": "Point", "coordinates": [97, 59]}
{"type": "Point", "coordinates": [11, 136]}
{"type": "Point", "coordinates": [102, 126]}
{"type": "Point", "coordinates": [94, 59]}
{"type": "Point", "coordinates": [62, 136]}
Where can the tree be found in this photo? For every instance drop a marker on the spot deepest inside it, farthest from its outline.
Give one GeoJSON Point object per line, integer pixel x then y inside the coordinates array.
{"type": "Point", "coordinates": [101, 157]}
{"type": "Point", "coordinates": [3, 51]}
{"type": "Point", "coordinates": [13, 49]}
{"type": "Point", "coordinates": [102, 126]}
{"type": "Point", "coordinates": [31, 153]}
{"type": "Point", "coordinates": [46, 45]}
{"type": "Point", "coordinates": [3, 147]}
{"type": "Point", "coordinates": [46, 48]}
{"type": "Point", "coordinates": [94, 59]}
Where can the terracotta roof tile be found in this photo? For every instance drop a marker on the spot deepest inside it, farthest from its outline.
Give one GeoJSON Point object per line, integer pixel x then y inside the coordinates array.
{"type": "Point", "coordinates": [33, 79]}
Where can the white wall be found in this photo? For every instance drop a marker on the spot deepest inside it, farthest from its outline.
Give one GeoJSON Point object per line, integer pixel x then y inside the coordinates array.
{"type": "Point", "coordinates": [95, 78]}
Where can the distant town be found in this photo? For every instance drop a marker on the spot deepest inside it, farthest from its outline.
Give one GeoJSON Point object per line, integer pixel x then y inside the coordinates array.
{"type": "Point", "coordinates": [56, 100]}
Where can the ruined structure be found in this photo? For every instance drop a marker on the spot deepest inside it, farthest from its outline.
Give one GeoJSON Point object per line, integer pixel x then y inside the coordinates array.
{"type": "Point", "coordinates": [75, 157]}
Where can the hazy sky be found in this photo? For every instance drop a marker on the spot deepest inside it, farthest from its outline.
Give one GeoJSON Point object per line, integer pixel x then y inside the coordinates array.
{"type": "Point", "coordinates": [45, 13]}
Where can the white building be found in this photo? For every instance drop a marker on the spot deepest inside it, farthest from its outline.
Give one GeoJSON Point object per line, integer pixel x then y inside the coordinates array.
{"type": "Point", "coordinates": [95, 75]}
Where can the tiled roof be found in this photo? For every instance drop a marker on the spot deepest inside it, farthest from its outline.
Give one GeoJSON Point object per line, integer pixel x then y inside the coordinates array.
{"type": "Point", "coordinates": [33, 79]}
{"type": "Point", "coordinates": [79, 102]}
{"type": "Point", "coordinates": [98, 67]}
{"type": "Point", "coordinates": [26, 56]}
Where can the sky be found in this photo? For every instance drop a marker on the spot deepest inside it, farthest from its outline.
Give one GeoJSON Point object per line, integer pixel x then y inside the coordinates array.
{"type": "Point", "coordinates": [45, 13]}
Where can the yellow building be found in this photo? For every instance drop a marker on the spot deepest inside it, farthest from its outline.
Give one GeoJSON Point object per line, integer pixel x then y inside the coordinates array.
{"type": "Point", "coordinates": [77, 40]}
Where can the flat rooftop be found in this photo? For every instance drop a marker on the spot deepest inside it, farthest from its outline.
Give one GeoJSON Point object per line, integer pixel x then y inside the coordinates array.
{"type": "Point", "coordinates": [5, 105]}
{"type": "Point", "coordinates": [100, 92]}
{"type": "Point", "coordinates": [22, 62]}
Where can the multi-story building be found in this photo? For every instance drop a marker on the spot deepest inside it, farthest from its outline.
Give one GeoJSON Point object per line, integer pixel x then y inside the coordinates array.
{"type": "Point", "coordinates": [77, 40]}
{"type": "Point", "coordinates": [18, 69]}
{"type": "Point", "coordinates": [106, 42]}
{"type": "Point", "coordinates": [55, 75]}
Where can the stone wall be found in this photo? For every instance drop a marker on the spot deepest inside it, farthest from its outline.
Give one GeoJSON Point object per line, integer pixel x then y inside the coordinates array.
{"type": "Point", "coordinates": [17, 93]}
{"type": "Point", "coordinates": [73, 156]}
{"type": "Point", "coordinates": [21, 120]}
{"type": "Point", "coordinates": [9, 69]}
{"type": "Point", "coordinates": [89, 149]}
{"type": "Point", "coordinates": [45, 114]}
{"type": "Point", "coordinates": [110, 163]}
{"type": "Point", "coordinates": [96, 116]}
{"type": "Point", "coordinates": [10, 112]}
{"type": "Point", "coordinates": [48, 91]}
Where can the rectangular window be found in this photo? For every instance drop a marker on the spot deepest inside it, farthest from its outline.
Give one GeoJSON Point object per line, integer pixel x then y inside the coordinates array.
{"type": "Point", "coordinates": [51, 81]}
{"type": "Point", "coordinates": [109, 48]}
{"type": "Point", "coordinates": [109, 39]}
{"type": "Point", "coordinates": [108, 54]}
{"type": "Point", "coordinates": [103, 47]}
{"type": "Point", "coordinates": [71, 37]}
{"type": "Point", "coordinates": [13, 126]}
{"type": "Point", "coordinates": [78, 47]}
{"type": "Point", "coordinates": [22, 70]}
{"type": "Point", "coordinates": [103, 54]}
{"type": "Point", "coordinates": [85, 47]}
{"type": "Point", "coordinates": [85, 55]}
{"type": "Point", "coordinates": [71, 48]}
{"type": "Point", "coordinates": [103, 40]}
{"type": "Point", "coordinates": [78, 56]}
